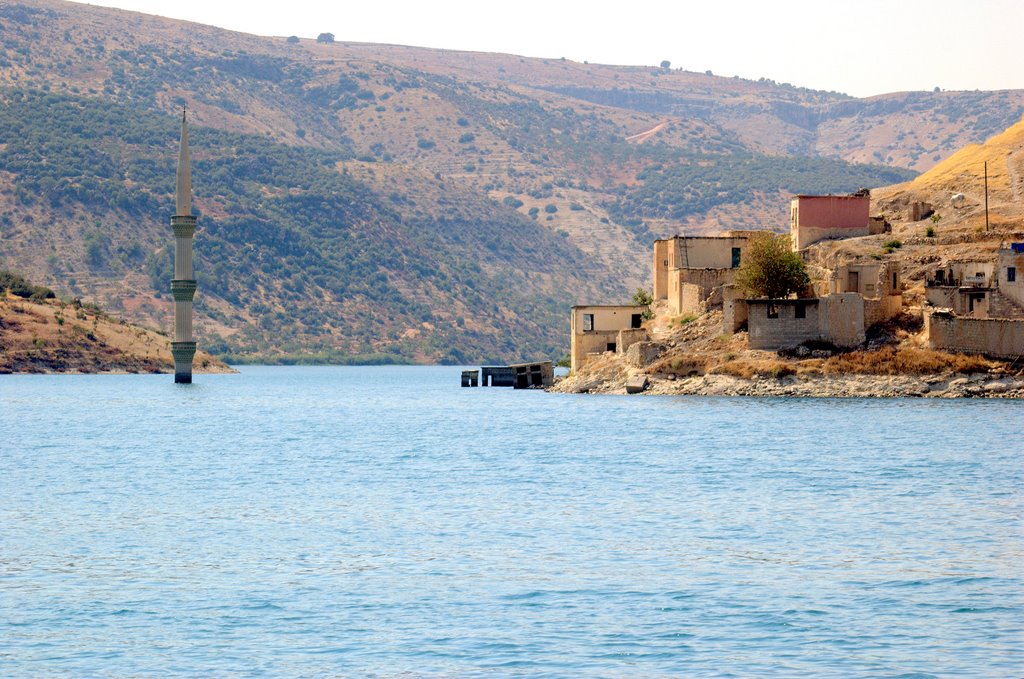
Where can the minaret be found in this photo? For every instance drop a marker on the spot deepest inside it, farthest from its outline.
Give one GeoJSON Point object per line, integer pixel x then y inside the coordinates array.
{"type": "Point", "coordinates": [183, 286]}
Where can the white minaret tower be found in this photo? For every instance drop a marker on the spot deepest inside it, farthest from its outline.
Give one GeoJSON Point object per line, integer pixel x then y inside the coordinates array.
{"type": "Point", "coordinates": [183, 286]}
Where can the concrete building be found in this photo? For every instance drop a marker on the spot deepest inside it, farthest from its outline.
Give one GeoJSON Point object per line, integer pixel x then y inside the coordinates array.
{"type": "Point", "coordinates": [689, 272]}
{"type": "Point", "coordinates": [183, 286]}
{"type": "Point", "coordinates": [817, 218]}
{"type": "Point", "coordinates": [597, 329]}
{"type": "Point", "coordinates": [781, 323]}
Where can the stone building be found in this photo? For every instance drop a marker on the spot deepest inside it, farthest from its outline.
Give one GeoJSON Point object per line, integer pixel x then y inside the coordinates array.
{"type": "Point", "coordinates": [851, 298]}
{"type": "Point", "coordinates": [690, 271]}
{"type": "Point", "coordinates": [781, 323]}
{"type": "Point", "coordinates": [597, 329]}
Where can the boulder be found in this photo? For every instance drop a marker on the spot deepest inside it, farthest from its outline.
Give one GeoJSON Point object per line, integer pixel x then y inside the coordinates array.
{"type": "Point", "coordinates": [636, 384]}
{"type": "Point", "coordinates": [642, 354]}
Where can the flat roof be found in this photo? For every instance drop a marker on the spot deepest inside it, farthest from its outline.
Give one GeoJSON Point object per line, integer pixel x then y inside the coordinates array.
{"type": "Point", "coordinates": [610, 306]}
{"type": "Point", "coordinates": [829, 195]}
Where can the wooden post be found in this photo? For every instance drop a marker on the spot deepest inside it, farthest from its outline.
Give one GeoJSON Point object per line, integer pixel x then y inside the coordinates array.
{"type": "Point", "coordinates": [986, 195]}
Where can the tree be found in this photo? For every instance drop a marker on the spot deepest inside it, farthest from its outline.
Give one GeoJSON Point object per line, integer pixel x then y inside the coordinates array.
{"type": "Point", "coordinates": [666, 64]}
{"type": "Point", "coordinates": [325, 38]}
{"type": "Point", "coordinates": [770, 268]}
{"type": "Point", "coordinates": [292, 39]}
{"type": "Point", "coordinates": [643, 298]}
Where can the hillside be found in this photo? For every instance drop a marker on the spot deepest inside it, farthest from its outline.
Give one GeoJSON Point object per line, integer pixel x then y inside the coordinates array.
{"type": "Point", "coordinates": [40, 333]}
{"type": "Point", "coordinates": [394, 203]}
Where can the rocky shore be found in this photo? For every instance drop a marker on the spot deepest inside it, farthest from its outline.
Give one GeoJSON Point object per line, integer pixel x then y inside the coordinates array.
{"type": "Point", "coordinates": [978, 385]}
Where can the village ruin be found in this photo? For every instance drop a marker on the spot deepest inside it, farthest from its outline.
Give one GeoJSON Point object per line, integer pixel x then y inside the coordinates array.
{"type": "Point", "coordinates": [971, 306]}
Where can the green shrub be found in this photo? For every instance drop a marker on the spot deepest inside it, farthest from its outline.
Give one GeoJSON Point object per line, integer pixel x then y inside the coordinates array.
{"type": "Point", "coordinates": [551, 208]}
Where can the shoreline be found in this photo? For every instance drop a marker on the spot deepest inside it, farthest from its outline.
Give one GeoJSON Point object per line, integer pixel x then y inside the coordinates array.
{"type": "Point", "coordinates": [946, 385]}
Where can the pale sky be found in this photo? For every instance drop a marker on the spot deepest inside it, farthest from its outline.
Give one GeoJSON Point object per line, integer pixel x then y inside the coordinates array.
{"type": "Point", "coordinates": [861, 48]}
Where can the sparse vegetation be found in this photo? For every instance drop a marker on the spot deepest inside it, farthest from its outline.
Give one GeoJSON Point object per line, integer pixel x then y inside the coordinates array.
{"type": "Point", "coordinates": [904, 360]}
{"type": "Point", "coordinates": [20, 287]}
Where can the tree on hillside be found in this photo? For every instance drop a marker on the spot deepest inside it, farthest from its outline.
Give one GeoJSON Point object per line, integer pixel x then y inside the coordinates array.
{"type": "Point", "coordinates": [325, 37]}
{"type": "Point", "coordinates": [770, 268]}
{"type": "Point", "coordinates": [666, 64]}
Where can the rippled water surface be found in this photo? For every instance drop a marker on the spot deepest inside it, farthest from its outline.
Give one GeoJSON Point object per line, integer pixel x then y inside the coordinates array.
{"type": "Point", "coordinates": [385, 522]}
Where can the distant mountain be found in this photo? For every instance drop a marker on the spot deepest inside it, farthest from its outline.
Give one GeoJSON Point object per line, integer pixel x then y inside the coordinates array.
{"type": "Point", "coordinates": [371, 202]}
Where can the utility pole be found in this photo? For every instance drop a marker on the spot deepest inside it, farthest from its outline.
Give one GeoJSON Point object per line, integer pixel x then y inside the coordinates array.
{"type": "Point", "coordinates": [986, 196]}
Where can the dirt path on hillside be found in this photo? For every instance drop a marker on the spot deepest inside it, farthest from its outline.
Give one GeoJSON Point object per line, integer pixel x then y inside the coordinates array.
{"type": "Point", "coordinates": [644, 136]}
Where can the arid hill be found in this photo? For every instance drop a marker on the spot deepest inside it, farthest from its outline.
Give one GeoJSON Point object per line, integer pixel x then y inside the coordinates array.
{"type": "Point", "coordinates": [377, 202]}
{"type": "Point", "coordinates": [42, 334]}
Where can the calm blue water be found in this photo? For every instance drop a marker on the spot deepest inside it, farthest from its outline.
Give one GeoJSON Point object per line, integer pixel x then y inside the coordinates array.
{"type": "Point", "coordinates": [385, 522]}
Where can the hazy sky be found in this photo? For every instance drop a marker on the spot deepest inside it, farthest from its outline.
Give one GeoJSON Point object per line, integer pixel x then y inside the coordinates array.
{"type": "Point", "coordinates": [862, 48]}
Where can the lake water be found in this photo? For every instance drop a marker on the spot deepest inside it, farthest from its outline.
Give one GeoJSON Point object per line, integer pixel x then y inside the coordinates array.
{"type": "Point", "coordinates": [386, 522]}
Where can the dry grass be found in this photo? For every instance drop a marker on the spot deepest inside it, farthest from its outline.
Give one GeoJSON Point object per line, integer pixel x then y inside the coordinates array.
{"type": "Point", "coordinates": [748, 368]}
{"type": "Point", "coordinates": [905, 360]}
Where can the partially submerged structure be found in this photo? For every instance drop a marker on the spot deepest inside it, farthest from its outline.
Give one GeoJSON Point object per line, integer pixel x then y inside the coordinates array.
{"type": "Point", "coordinates": [977, 306]}
{"type": "Point", "coordinates": [537, 375]}
{"type": "Point", "coordinates": [183, 286]}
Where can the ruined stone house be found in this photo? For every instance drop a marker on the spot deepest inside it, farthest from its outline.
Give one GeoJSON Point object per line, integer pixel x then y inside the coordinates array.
{"type": "Point", "coordinates": [597, 329]}
{"type": "Point", "coordinates": [850, 299]}
{"type": "Point", "coordinates": [690, 271]}
{"type": "Point", "coordinates": [978, 306]}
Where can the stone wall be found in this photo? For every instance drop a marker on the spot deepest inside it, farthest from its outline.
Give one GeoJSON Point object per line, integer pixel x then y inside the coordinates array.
{"type": "Point", "coordinates": [627, 338]}
{"type": "Point", "coordinates": [734, 310]}
{"type": "Point", "coordinates": [692, 290]}
{"type": "Point", "coordinates": [996, 337]}
{"type": "Point", "coordinates": [881, 309]}
{"type": "Point", "coordinates": [842, 319]}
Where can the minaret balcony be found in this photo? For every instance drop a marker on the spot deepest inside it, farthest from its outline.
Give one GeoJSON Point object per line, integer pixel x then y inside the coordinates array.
{"type": "Point", "coordinates": [184, 225]}
{"type": "Point", "coordinates": [183, 290]}
{"type": "Point", "coordinates": [183, 352]}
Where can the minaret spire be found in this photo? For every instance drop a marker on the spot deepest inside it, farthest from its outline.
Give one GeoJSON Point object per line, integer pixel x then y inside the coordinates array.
{"type": "Point", "coordinates": [183, 285]}
{"type": "Point", "coordinates": [183, 188]}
